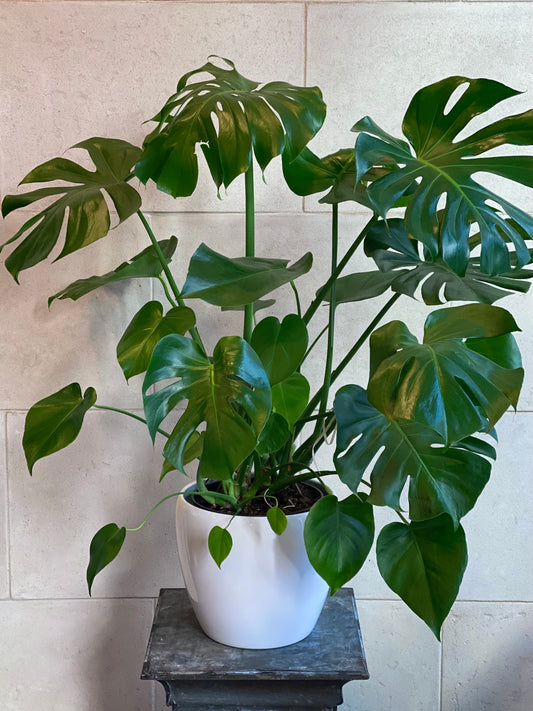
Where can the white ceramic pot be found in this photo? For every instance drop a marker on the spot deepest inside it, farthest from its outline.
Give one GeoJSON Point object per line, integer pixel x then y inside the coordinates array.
{"type": "Point", "coordinates": [265, 595]}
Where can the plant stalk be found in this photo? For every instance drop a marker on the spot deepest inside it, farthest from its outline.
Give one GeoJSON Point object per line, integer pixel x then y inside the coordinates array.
{"type": "Point", "coordinates": [249, 243]}
{"type": "Point", "coordinates": [129, 414]}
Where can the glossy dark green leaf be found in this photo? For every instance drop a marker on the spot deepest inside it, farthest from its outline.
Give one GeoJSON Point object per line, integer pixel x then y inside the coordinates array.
{"type": "Point", "coordinates": [105, 547]}
{"type": "Point", "coordinates": [229, 392]}
{"type": "Point", "coordinates": [424, 563]}
{"type": "Point", "coordinates": [280, 346]}
{"type": "Point", "coordinates": [193, 451]}
{"type": "Point", "coordinates": [442, 480]}
{"type": "Point", "coordinates": [88, 215]}
{"type": "Point", "coordinates": [338, 537]}
{"type": "Point", "coordinates": [55, 422]}
{"type": "Point", "coordinates": [290, 397]}
{"type": "Point", "coordinates": [398, 258]}
{"type": "Point", "coordinates": [274, 434]}
{"type": "Point", "coordinates": [145, 330]}
{"type": "Point", "coordinates": [146, 264]}
{"type": "Point", "coordinates": [441, 382]}
{"type": "Point", "coordinates": [229, 116]}
{"type": "Point", "coordinates": [277, 520]}
{"type": "Point", "coordinates": [227, 282]}
{"type": "Point", "coordinates": [220, 544]}
{"type": "Point", "coordinates": [444, 166]}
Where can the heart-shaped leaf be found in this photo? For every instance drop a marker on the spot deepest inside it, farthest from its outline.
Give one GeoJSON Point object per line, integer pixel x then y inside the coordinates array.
{"type": "Point", "coordinates": [338, 537]}
{"type": "Point", "coordinates": [225, 282]}
{"type": "Point", "coordinates": [55, 422]}
{"type": "Point", "coordinates": [143, 265]}
{"type": "Point", "coordinates": [441, 382]}
{"type": "Point", "coordinates": [145, 330]}
{"type": "Point", "coordinates": [424, 564]}
{"type": "Point", "coordinates": [105, 547]}
{"type": "Point", "coordinates": [280, 346]}
{"type": "Point", "coordinates": [443, 167]}
{"type": "Point", "coordinates": [88, 214]}
{"type": "Point", "coordinates": [229, 116]}
{"type": "Point", "coordinates": [220, 544]}
{"type": "Point", "coordinates": [442, 480]}
{"type": "Point", "coordinates": [277, 520]}
{"type": "Point", "coordinates": [229, 392]}
{"type": "Point", "coordinates": [290, 397]}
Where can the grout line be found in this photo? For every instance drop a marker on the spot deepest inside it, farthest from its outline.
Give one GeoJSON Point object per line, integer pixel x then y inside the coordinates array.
{"type": "Point", "coordinates": [441, 666]}
{"type": "Point", "coordinates": [7, 524]}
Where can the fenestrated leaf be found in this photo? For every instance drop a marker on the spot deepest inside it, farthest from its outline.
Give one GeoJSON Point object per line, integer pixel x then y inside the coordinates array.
{"type": "Point", "coordinates": [55, 422]}
{"type": "Point", "coordinates": [441, 382]}
{"type": "Point", "coordinates": [442, 480]}
{"type": "Point", "coordinates": [277, 520]}
{"type": "Point", "coordinates": [193, 450]}
{"type": "Point", "coordinates": [229, 392]}
{"type": "Point", "coordinates": [88, 215]}
{"type": "Point", "coordinates": [105, 547]}
{"type": "Point", "coordinates": [424, 564]}
{"type": "Point", "coordinates": [280, 346]}
{"type": "Point", "coordinates": [290, 397]}
{"type": "Point", "coordinates": [274, 434]}
{"type": "Point", "coordinates": [145, 330]}
{"type": "Point", "coordinates": [404, 270]}
{"type": "Point", "coordinates": [220, 544]}
{"type": "Point", "coordinates": [229, 116]}
{"type": "Point", "coordinates": [443, 166]}
{"type": "Point", "coordinates": [225, 282]}
{"type": "Point", "coordinates": [144, 264]}
{"type": "Point", "coordinates": [338, 537]}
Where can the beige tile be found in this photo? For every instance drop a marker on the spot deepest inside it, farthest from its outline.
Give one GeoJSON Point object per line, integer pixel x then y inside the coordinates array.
{"type": "Point", "coordinates": [498, 530]}
{"type": "Point", "coordinates": [109, 474]}
{"type": "Point", "coordinates": [82, 655]}
{"type": "Point", "coordinates": [43, 350]}
{"type": "Point", "coordinates": [4, 561]}
{"type": "Point", "coordinates": [429, 41]}
{"type": "Point", "coordinates": [488, 657]}
{"type": "Point", "coordinates": [105, 68]}
{"type": "Point", "coordinates": [403, 659]}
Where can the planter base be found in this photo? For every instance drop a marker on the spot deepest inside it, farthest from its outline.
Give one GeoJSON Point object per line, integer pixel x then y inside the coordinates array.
{"type": "Point", "coordinates": [201, 675]}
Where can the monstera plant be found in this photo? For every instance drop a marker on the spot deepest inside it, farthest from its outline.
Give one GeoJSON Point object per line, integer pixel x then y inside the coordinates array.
{"type": "Point", "coordinates": [418, 437]}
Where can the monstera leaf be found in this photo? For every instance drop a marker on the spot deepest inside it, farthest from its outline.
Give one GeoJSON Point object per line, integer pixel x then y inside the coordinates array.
{"type": "Point", "coordinates": [402, 269]}
{"type": "Point", "coordinates": [227, 282]}
{"type": "Point", "coordinates": [146, 264]}
{"type": "Point", "coordinates": [84, 202]}
{"type": "Point", "coordinates": [229, 392]}
{"type": "Point", "coordinates": [229, 116]}
{"type": "Point", "coordinates": [280, 346]}
{"type": "Point", "coordinates": [443, 480]}
{"type": "Point", "coordinates": [443, 166]}
{"type": "Point", "coordinates": [442, 382]}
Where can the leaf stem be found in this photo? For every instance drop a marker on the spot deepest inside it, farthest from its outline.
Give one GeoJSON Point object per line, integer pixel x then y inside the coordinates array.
{"type": "Point", "coordinates": [167, 292]}
{"type": "Point", "coordinates": [128, 414]}
{"type": "Point", "coordinates": [249, 243]}
{"type": "Point", "coordinates": [170, 496]}
{"type": "Point", "coordinates": [340, 266]}
{"type": "Point", "coordinates": [297, 298]}
{"type": "Point", "coordinates": [164, 264]}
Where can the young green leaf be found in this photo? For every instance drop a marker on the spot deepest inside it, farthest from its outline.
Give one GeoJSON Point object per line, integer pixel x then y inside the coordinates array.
{"type": "Point", "coordinates": [338, 536]}
{"type": "Point", "coordinates": [220, 544]}
{"type": "Point", "coordinates": [105, 547]}
{"type": "Point", "coordinates": [144, 332]}
{"type": "Point", "coordinates": [227, 282]}
{"type": "Point", "coordinates": [277, 520]}
{"type": "Point", "coordinates": [424, 564]}
{"type": "Point", "coordinates": [55, 421]}
{"type": "Point", "coordinates": [290, 397]}
{"type": "Point", "coordinates": [280, 346]}
{"type": "Point", "coordinates": [274, 434]}
{"type": "Point", "coordinates": [143, 265]}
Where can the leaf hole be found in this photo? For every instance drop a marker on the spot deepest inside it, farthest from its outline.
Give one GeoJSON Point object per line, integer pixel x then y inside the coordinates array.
{"type": "Point", "coordinates": [455, 96]}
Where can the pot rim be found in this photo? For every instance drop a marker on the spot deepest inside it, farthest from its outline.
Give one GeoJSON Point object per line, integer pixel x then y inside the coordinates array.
{"type": "Point", "coordinates": [189, 495]}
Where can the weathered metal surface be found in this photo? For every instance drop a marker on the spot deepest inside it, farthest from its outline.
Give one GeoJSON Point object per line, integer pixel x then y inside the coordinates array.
{"type": "Point", "coordinates": [198, 673]}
